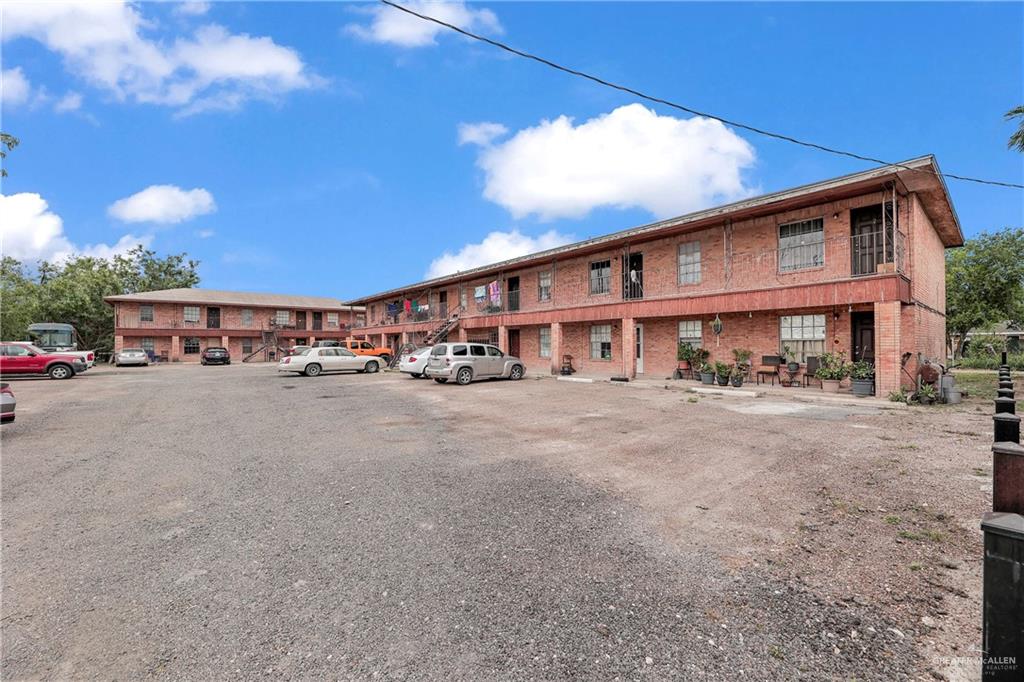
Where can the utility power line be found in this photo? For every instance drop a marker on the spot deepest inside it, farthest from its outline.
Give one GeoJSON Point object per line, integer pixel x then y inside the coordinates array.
{"type": "Point", "coordinates": [658, 100]}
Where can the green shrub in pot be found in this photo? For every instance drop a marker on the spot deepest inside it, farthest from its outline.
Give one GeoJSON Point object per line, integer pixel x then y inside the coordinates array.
{"type": "Point", "coordinates": [722, 371]}
{"type": "Point", "coordinates": [707, 374]}
{"type": "Point", "coordinates": [832, 369]}
{"type": "Point", "coordinates": [862, 378]}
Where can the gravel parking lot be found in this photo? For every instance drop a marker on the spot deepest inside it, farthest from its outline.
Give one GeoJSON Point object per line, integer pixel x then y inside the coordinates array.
{"type": "Point", "coordinates": [212, 522]}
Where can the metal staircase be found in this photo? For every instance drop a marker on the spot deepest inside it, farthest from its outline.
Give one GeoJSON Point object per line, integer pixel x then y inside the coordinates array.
{"type": "Point", "coordinates": [270, 341]}
{"type": "Point", "coordinates": [432, 337]}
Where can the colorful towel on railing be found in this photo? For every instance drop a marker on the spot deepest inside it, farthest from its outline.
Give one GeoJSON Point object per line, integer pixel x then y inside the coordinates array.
{"type": "Point", "coordinates": [480, 293]}
{"type": "Point", "coordinates": [408, 306]}
{"type": "Point", "coordinates": [495, 292]}
{"type": "Point", "coordinates": [392, 308]}
{"type": "Point", "coordinates": [415, 306]}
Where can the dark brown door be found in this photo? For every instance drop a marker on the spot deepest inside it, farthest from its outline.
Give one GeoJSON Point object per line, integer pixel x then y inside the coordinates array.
{"type": "Point", "coordinates": [213, 318]}
{"type": "Point", "coordinates": [318, 321]}
{"type": "Point", "coordinates": [513, 294]}
{"type": "Point", "coordinates": [300, 319]}
{"type": "Point", "coordinates": [513, 342]}
{"type": "Point", "coordinates": [442, 304]}
{"type": "Point", "coordinates": [863, 337]}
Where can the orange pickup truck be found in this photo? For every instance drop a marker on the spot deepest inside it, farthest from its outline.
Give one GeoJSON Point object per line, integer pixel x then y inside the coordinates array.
{"type": "Point", "coordinates": [366, 348]}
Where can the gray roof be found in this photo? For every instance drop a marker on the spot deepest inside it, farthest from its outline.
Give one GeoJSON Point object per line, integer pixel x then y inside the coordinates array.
{"type": "Point", "coordinates": [920, 175]}
{"type": "Point", "coordinates": [217, 297]}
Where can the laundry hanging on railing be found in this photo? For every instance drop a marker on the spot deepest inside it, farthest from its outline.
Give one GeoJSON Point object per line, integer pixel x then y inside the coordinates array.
{"type": "Point", "coordinates": [408, 306]}
{"type": "Point", "coordinates": [495, 291]}
{"type": "Point", "coordinates": [415, 306]}
{"type": "Point", "coordinates": [480, 294]}
{"type": "Point", "coordinates": [392, 308]}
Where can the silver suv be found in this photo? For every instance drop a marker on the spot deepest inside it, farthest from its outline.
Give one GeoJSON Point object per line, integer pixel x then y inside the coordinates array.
{"type": "Point", "coordinates": [465, 362]}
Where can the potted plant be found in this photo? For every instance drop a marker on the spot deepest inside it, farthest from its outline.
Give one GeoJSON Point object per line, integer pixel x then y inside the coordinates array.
{"type": "Point", "coordinates": [707, 374]}
{"type": "Point", "coordinates": [736, 377]}
{"type": "Point", "coordinates": [862, 378]}
{"type": "Point", "coordinates": [926, 395]}
{"type": "Point", "coordinates": [742, 357]}
{"type": "Point", "coordinates": [832, 369]}
{"type": "Point", "coordinates": [684, 354]}
{"type": "Point", "coordinates": [792, 365]}
{"type": "Point", "coordinates": [722, 372]}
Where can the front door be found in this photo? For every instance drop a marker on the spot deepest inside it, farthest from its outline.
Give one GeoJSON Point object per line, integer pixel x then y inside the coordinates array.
{"type": "Point", "coordinates": [513, 294]}
{"type": "Point", "coordinates": [633, 276]}
{"type": "Point", "coordinates": [213, 318]}
{"type": "Point", "coordinates": [513, 342]}
{"type": "Point", "coordinates": [863, 337]}
{"type": "Point", "coordinates": [300, 319]}
{"type": "Point", "coordinates": [639, 349]}
{"type": "Point", "coordinates": [442, 305]}
{"type": "Point", "coordinates": [318, 321]}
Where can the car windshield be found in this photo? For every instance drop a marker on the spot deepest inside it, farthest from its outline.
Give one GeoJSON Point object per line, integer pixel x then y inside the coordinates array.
{"type": "Point", "coordinates": [132, 350]}
{"type": "Point", "coordinates": [217, 349]}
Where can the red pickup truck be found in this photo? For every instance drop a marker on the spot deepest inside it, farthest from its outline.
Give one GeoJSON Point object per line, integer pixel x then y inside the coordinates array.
{"type": "Point", "coordinates": [24, 358]}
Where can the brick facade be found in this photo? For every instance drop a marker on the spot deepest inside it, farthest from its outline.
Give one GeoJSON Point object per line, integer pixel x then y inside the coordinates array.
{"type": "Point", "coordinates": [748, 276]}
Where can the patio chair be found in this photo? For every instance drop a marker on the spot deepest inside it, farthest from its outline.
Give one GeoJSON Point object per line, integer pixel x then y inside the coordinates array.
{"type": "Point", "coordinates": [812, 367]}
{"type": "Point", "coordinates": [769, 368]}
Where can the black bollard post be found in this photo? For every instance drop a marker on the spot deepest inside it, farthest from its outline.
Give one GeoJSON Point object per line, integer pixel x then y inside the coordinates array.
{"type": "Point", "coordinates": [1002, 637]}
{"type": "Point", "coordinates": [1006, 406]}
{"type": "Point", "coordinates": [1008, 476]}
{"type": "Point", "coordinates": [1006, 428]}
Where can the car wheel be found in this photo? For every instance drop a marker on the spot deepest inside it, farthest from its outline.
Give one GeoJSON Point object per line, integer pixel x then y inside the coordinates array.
{"type": "Point", "coordinates": [417, 376]}
{"type": "Point", "coordinates": [441, 380]}
{"type": "Point", "coordinates": [312, 370]}
{"type": "Point", "coordinates": [516, 374]}
{"type": "Point", "coordinates": [61, 372]}
{"type": "Point", "coordinates": [372, 367]}
{"type": "Point", "coordinates": [464, 377]}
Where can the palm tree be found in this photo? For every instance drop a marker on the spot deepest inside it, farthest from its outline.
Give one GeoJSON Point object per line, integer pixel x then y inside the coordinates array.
{"type": "Point", "coordinates": [1017, 139]}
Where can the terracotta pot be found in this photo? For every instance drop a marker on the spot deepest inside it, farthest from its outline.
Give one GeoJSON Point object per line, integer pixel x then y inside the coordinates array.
{"type": "Point", "coordinates": [830, 385]}
{"type": "Point", "coordinates": [684, 364]}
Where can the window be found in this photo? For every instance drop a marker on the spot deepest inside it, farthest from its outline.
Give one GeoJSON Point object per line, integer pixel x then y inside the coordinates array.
{"type": "Point", "coordinates": [332, 319]}
{"type": "Point", "coordinates": [345, 353]}
{"type": "Point", "coordinates": [147, 344]}
{"type": "Point", "coordinates": [459, 350]}
{"type": "Point", "coordinates": [191, 344]}
{"type": "Point", "coordinates": [439, 349]}
{"type": "Point", "coordinates": [145, 313]}
{"type": "Point", "coordinates": [462, 298]}
{"type": "Point", "coordinates": [247, 345]}
{"type": "Point", "coordinates": [544, 286]}
{"type": "Point", "coordinates": [366, 344]}
{"type": "Point", "coordinates": [689, 263]}
{"type": "Point", "coordinates": [17, 351]}
{"type": "Point", "coordinates": [690, 332]}
{"type": "Point", "coordinates": [801, 245]}
{"type": "Point", "coordinates": [282, 317]}
{"type": "Point", "coordinates": [601, 342]}
{"type": "Point", "coordinates": [545, 342]}
{"type": "Point", "coordinates": [191, 313]}
{"type": "Point", "coordinates": [477, 351]}
{"type": "Point", "coordinates": [601, 277]}
{"type": "Point", "coordinates": [246, 317]}
{"type": "Point", "coordinates": [804, 334]}
{"type": "Point", "coordinates": [494, 352]}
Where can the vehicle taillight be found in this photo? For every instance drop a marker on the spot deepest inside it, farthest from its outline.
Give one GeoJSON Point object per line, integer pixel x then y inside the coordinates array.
{"type": "Point", "coordinates": [447, 362]}
{"type": "Point", "coordinates": [90, 356]}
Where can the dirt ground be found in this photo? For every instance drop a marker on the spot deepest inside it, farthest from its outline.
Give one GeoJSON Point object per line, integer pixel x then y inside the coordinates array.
{"type": "Point", "coordinates": [581, 529]}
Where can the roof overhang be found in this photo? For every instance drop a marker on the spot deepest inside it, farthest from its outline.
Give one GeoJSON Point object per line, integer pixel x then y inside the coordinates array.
{"type": "Point", "coordinates": [920, 175]}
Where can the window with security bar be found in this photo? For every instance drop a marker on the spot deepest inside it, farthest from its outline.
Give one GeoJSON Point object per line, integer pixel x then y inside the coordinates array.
{"type": "Point", "coordinates": [544, 286]}
{"type": "Point", "coordinates": [191, 313]}
{"type": "Point", "coordinates": [804, 334]}
{"type": "Point", "coordinates": [545, 342]}
{"type": "Point", "coordinates": [145, 313]}
{"type": "Point", "coordinates": [801, 245]}
{"type": "Point", "coordinates": [191, 345]}
{"type": "Point", "coordinates": [282, 317]}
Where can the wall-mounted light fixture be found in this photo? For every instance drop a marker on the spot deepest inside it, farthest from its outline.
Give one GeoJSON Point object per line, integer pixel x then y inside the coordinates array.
{"type": "Point", "coordinates": [835, 216]}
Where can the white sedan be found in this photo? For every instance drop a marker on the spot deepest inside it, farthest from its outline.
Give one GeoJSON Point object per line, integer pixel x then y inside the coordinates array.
{"type": "Point", "coordinates": [414, 363]}
{"type": "Point", "coordinates": [314, 361]}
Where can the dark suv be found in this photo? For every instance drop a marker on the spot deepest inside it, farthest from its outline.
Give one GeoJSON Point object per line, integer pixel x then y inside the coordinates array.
{"type": "Point", "coordinates": [215, 356]}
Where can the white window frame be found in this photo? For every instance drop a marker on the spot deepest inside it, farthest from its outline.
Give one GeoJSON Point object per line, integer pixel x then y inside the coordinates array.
{"type": "Point", "coordinates": [251, 342]}
{"type": "Point", "coordinates": [145, 308]}
{"type": "Point", "coordinates": [185, 344]}
{"type": "Point", "coordinates": [544, 290]}
{"type": "Point", "coordinates": [600, 335]}
{"type": "Point", "coordinates": [280, 315]}
{"type": "Point", "coordinates": [803, 251]}
{"type": "Point", "coordinates": [247, 317]}
{"type": "Point", "coordinates": [606, 287]}
{"type": "Point", "coordinates": [332, 319]}
{"type": "Point", "coordinates": [146, 344]}
{"type": "Point", "coordinates": [688, 263]}
{"type": "Point", "coordinates": [691, 332]}
{"type": "Point", "coordinates": [544, 342]}
{"type": "Point", "coordinates": [190, 313]}
{"type": "Point", "coordinates": [804, 334]}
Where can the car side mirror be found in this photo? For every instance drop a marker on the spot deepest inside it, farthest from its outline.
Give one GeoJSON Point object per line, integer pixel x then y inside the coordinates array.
{"type": "Point", "coordinates": [31, 354]}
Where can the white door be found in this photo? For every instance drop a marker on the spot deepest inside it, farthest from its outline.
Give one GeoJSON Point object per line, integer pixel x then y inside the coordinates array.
{"type": "Point", "coordinates": [349, 360]}
{"type": "Point", "coordinates": [639, 349]}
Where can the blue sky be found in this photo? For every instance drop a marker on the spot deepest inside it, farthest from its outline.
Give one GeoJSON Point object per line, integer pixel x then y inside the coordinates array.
{"type": "Point", "coordinates": [316, 147]}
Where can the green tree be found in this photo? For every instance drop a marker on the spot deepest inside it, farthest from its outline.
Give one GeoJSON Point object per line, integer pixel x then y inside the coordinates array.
{"type": "Point", "coordinates": [72, 291]}
{"type": "Point", "coordinates": [7, 143]}
{"type": "Point", "coordinates": [985, 283]}
{"type": "Point", "coordinates": [1017, 139]}
{"type": "Point", "coordinates": [18, 296]}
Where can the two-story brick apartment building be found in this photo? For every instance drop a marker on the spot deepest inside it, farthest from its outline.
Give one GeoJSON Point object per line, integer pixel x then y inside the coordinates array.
{"type": "Point", "coordinates": [177, 324]}
{"type": "Point", "coordinates": [851, 264]}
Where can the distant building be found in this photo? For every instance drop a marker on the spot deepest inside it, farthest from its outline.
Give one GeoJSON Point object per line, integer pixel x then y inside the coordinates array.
{"type": "Point", "coordinates": [852, 264]}
{"type": "Point", "coordinates": [177, 324]}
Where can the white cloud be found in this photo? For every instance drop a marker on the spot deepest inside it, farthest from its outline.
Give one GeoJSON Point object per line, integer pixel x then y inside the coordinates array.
{"type": "Point", "coordinates": [69, 102]}
{"type": "Point", "coordinates": [496, 246]}
{"type": "Point", "coordinates": [629, 158]}
{"type": "Point", "coordinates": [31, 232]}
{"type": "Point", "coordinates": [481, 134]}
{"type": "Point", "coordinates": [392, 26]}
{"type": "Point", "coordinates": [15, 89]}
{"type": "Point", "coordinates": [205, 234]}
{"type": "Point", "coordinates": [193, 8]}
{"type": "Point", "coordinates": [108, 44]}
{"type": "Point", "coordinates": [162, 204]}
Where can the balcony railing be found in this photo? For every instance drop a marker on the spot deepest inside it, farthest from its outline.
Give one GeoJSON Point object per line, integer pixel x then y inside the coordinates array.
{"type": "Point", "coordinates": [126, 320]}
{"type": "Point", "coordinates": [814, 261]}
